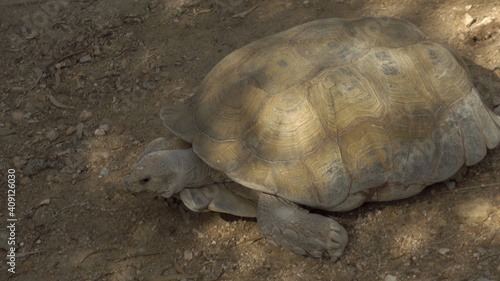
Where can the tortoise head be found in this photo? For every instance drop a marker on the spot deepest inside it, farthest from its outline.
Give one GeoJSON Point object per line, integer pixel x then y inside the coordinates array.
{"type": "Point", "coordinates": [158, 172]}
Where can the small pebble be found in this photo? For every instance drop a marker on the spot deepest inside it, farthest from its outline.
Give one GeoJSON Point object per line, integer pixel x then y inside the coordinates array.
{"type": "Point", "coordinates": [475, 210]}
{"type": "Point", "coordinates": [79, 130]}
{"type": "Point", "coordinates": [70, 130]}
{"type": "Point", "coordinates": [235, 3]}
{"type": "Point", "coordinates": [188, 255]}
{"type": "Point", "coordinates": [44, 202]}
{"type": "Point", "coordinates": [104, 127]}
{"type": "Point", "coordinates": [451, 185]}
{"type": "Point", "coordinates": [99, 132]}
{"type": "Point", "coordinates": [17, 90]}
{"type": "Point", "coordinates": [443, 251]}
{"type": "Point", "coordinates": [104, 172]}
{"type": "Point", "coordinates": [468, 7]}
{"type": "Point", "coordinates": [85, 59]}
{"type": "Point", "coordinates": [481, 251]}
{"type": "Point", "coordinates": [17, 116]}
{"type": "Point", "coordinates": [468, 20]}
{"type": "Point", "coordinates": [139, 251]}
{"type": "Point", "coordinates": [102, 130]}
{"type": "Point", "coordinates": [52, 135]}
{"type": "Point", "coordinates": [85, 115]}
{"type": "Point", "coordinates": [18, 162]}
{"type": "Point", "coordinates": [389, 277]}
{"type": "Point", "coordinates": [485, 21]}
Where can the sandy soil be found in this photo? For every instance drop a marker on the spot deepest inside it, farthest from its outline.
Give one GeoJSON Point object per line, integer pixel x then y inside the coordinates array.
{"type": "Point", "coordinates": [81, 86]}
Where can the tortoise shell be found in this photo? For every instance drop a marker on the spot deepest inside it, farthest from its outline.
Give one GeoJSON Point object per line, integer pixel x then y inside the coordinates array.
{"type": "Point", "coordinates": [337, 107]}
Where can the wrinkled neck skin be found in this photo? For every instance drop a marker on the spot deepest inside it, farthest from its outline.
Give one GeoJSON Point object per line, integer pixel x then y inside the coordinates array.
{"type": "Point", "coordinates": [197, 173]}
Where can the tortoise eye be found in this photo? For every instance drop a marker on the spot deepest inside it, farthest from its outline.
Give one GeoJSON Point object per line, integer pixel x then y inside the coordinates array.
{"type": "Point", "coordinates": [145, 180]}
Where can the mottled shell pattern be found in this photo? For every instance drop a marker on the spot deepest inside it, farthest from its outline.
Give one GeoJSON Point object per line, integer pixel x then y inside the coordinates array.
{"type": "Point", "coordinates": [331, 108]}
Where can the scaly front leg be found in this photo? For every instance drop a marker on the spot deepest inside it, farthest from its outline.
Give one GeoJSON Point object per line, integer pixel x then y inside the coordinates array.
{"type": "Point", "coordinates": [286, 224]}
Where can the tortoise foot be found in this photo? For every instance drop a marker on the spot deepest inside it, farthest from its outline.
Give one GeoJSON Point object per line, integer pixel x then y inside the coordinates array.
{"type": "Point", "coordinates": [285, 224]}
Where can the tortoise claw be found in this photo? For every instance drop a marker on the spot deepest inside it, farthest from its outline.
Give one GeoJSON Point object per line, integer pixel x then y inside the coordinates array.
{"type": "Point", "coordinates": [287, 225]}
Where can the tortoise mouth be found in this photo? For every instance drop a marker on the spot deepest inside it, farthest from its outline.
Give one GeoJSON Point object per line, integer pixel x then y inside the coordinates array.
{"type": "Point", "coordinates": [166, 194]}
{"type": "Point", "coordinates": [144, 194]}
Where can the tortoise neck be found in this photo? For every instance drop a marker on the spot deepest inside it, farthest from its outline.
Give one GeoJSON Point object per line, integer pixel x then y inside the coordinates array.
{"type": "Point", "coordinates": [198, 173]}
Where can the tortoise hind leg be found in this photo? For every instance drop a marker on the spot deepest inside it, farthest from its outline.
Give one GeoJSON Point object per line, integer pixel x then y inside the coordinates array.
{"type": "Point", "coordinates": [287, 225]}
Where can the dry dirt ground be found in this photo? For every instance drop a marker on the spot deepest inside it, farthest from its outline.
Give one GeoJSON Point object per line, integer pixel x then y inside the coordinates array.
{"type": "Point", "coordinates": [81, 86]}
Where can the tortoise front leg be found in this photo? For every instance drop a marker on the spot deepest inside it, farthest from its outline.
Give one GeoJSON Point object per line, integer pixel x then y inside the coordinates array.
{"type": "Point", "coordinates": [218, 197]}
{"type": "Point", "coordinates": [286, 224]}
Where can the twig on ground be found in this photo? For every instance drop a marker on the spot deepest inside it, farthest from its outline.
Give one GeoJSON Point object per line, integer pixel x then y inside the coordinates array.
{"type": "Point", "coordinates": [245, 13]}
{"type": "Point", "coordinates": [18, 49]}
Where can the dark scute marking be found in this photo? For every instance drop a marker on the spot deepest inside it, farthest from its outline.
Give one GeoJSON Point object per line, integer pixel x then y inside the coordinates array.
{"type": "Point", "coordinates": [389, 70]}
{"type": "Point", "coordinates": [382, 56]}
{"type": "Point", "coordinates": [431, 51]}
{"type": "Point", "coordinates": [333, 45]}
{"type": "Point", "coordinates": [256, 77]}
{"type": "Point", "coordinates": [351, 28]}
{"type": "Point", "coordinates": [282, 63]}
{"type": "Point", "coordinates": [389, 67]}
{"type": "Point", "coordinates": [345, 52]}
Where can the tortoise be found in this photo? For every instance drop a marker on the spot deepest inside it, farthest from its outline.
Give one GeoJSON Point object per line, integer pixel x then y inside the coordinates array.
{"type": "Point", "coordinates": [324, 116]}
